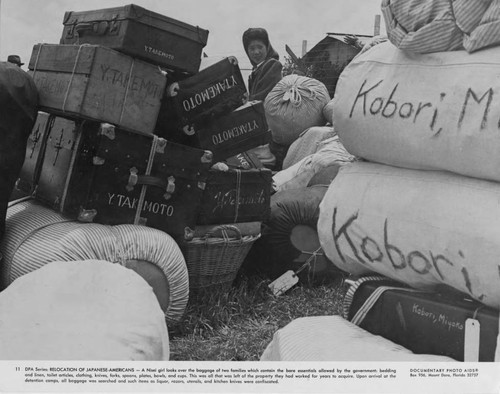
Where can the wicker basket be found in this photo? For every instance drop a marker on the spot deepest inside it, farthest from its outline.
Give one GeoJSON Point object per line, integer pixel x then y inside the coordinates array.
{"type": "Point", "coordinates": [215, 258]}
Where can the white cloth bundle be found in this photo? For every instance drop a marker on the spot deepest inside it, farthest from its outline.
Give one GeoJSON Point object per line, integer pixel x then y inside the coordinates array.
{"type": "Point", "coordinates": [438, 111]}
{"type": "Point", "coordinates": [423, 228]}
{"type": "Point", "coordinates": [308, 143]}
{"type": "Point", "coordinates": [81, 310]}
{"type": "Point", "coordinates": [297, 176]}
{"type": "Point", "coordinates": [332, 338]}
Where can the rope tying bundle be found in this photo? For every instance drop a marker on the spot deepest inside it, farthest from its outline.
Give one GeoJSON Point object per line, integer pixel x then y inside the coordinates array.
{"type": "Point", "coordinates": [72, 74]}
{"type": "Point", "coordinates": [314, 255]}
{"type": "Point", "coordinates": [294, 94]}
{"type": "Point", "coordinates": [293, 105]}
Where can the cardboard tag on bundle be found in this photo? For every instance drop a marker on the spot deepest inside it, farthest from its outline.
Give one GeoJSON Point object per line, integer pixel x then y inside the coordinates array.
{"type": "Point", "coordinates": [471, 340]}
{"type": "Point", "coordinates": [284, 283]}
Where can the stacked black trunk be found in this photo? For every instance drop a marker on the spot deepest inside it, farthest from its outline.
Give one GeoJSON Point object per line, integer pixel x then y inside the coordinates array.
{"type": "Point", "coordinates": [96, 172]}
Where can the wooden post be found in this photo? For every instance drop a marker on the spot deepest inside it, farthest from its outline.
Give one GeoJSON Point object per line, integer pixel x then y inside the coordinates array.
{"type": "Point", "coordinates": [376, 29]}
{"type": "Point", "coordinates": [295, 59]}
{"type": "Point", "coordinates": [304, 47]}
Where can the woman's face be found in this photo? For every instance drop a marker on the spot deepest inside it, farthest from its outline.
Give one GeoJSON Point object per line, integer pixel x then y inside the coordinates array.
{"type": "Point", "coordinates": [257, 51]}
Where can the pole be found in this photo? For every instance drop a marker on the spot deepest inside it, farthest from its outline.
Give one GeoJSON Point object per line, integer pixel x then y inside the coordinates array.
{"type": "Point", "coordinates": [295, 59]}
{"type": "Point", "coordinates": [304, 47]}
{"type": "Point", "coordinates": [376, 29]}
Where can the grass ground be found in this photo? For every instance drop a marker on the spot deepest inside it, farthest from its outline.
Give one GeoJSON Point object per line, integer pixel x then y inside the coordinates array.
{"type": "Point", "coordinates": [238, 324]}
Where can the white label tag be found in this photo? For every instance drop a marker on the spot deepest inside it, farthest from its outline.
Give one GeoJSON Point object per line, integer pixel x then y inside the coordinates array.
{"type": "Point", "coordinates": [471, 340]}
{"type": "Point", "coordinates": [284, 283]}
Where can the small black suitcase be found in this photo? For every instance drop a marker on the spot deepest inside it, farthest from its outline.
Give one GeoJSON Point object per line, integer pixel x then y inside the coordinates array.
{"type": "Point", "coordinates": [423, 322]}
{"type": "Point", "coordinates": [190, 103]}
{"type": "Point", "coordinates": [140, 33]}
{"type": "Point", "coordinates": [236, 196]}
{"type": "Point", "coordinates": [235, 132]}
{"type": "Point", "coordinates": [97, 173]}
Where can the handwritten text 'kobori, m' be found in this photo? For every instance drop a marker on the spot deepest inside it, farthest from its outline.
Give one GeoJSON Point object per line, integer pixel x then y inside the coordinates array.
{"type": "Point", "coordinates": [372, 102]}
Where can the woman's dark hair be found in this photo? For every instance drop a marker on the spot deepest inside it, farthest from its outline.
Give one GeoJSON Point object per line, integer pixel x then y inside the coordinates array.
{"type": "Point", "coordinates": [255, 33]}
{"type": "Point", "coordinates": [260, 34]}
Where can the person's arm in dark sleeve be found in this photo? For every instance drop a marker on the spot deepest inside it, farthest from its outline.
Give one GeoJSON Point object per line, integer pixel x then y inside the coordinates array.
{"type": "Point", "coordinates": [269, 76]}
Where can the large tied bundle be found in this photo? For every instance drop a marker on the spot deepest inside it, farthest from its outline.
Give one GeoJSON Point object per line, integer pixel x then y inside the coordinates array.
{"type": "Point", "coordinates": [437, 111]}
{"type": "Point", "coordinates": [428, 229]}
{"type": "Point", "coordinates": [81, 310]}
{"type": "Point", "coordinates": [36, 236]}
{"type": "Point", "coordinates": [424, 26]}
{"type": "Point", "coordinates": [293, 105]}
{"type": "Point", "coordinates": [332, 338]}
{"type": "Point", "coordinates": [289, 236]}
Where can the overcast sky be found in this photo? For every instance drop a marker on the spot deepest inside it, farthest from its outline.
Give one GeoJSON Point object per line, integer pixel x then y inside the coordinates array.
{"type": "Point", "coordinates": [23, 23]}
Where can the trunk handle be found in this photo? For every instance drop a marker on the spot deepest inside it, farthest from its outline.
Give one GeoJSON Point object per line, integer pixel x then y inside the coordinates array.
{"type": "Point", "coordinates": [98, 28]}
{"type": "Point", "coordinates": [149, 180]}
